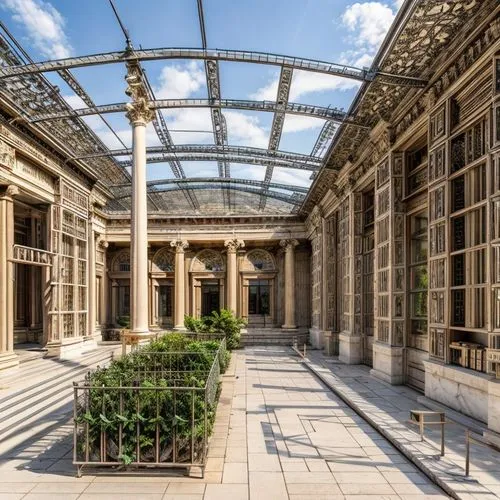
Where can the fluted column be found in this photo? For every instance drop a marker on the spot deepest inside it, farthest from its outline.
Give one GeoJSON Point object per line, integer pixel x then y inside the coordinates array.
{"type": "Point", "coordinates": [232, 275]}
{"type": "Point", "coordinates": [180, 246]}
{"type": "Point", "coordinates": [139, 114]}
{"type": "Point", "coordinates": [7, 357]}
{"type": "Point", "coordinates": [289, 246]}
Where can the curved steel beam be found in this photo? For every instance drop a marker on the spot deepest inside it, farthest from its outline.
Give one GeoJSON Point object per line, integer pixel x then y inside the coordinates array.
{"type": "Point", "coordinates": [222, 157]}
{"type": "Point", "coordinates": [295, 199]}
{"type": "Point", "coordinates": [331, 114]}
{"type": "Point", "coordinates": [314, 161]}
{"type": "Point", "coordinates": [219, 180]}
{"type": "Point", "coordinates": [315, 66]}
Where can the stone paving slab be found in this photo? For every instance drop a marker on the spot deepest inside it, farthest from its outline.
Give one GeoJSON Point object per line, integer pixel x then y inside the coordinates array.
{"type": "Point", "coordinates": [387, 409]}
{"type": "Point", "coordinates": [279, 433]}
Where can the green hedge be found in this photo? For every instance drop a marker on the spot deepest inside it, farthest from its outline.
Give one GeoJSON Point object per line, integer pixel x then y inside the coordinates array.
{"type": "Point", "coordinates": [133, 402]}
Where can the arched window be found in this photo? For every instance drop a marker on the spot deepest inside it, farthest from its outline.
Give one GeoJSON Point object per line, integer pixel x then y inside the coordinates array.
{"type": "Point", "coordinates": [208, 260]}
{"type": "Point", "coordinates": [258, 260]}
{"type": "Point", "coordinates": [164, 261]}
{"type": "Point", "coordinates": [121, 262]}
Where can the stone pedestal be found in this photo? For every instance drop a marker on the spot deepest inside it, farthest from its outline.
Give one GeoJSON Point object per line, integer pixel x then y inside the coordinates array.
{"type": "Point", "coordinates": [316, 337]}
{"type": "Point", "coordinates": [8, 359]}
{"type": "Point", "coordinates": [349, 348]}
{"type": "Point", "coordinates": [179, 310]}
{"type": "Point", "coordinates": [289, 246]}
{"type": "Point", "coordinates": [388, 363]}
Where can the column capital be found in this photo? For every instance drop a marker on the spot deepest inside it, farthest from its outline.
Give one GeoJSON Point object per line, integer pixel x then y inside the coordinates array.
{"type": "Point", "coordinates": [179, 245]}
{"type": "Point", "coordinates": [9, 191]}
{"type": "Point", "coordinates": [234, 244]}
{"type": "Point", "coordinates": [289, 244]}
{"type": "Point", "coordinates": [102, 243]}
{"type": "Point", "coordinates": [139, 111]}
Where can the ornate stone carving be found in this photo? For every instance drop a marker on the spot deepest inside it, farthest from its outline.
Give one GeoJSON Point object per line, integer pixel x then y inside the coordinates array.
{"type": "Point", "coordinates": [139, 109]}
{"type": "Point", "coordinates": [234, 244]}
{"type": "Point", "coordinates": [179, 245]}
{"type": "Point", "coordinates": [9, 191]}
{"type": "Point", "coordinates": [164, 260]}
{"type": "Point", "coordinates": [7, 155]}
{"type": "Point", "coordinates": [208, 260]}
{"type": "Point", "coordinates": [121, 262]}
{"type": "Point", "coordinates": [289, 244]}
{"type": "Point", "coordinates": [258, 260]}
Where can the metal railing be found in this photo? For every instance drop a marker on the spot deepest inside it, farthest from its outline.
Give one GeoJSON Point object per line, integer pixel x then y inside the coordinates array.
{"type": "Point", "coordinates": [472, 437]}
{"type": "Point", "coordinates": [159, 416]}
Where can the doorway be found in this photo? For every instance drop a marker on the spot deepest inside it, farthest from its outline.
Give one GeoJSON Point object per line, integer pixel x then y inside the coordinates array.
{"type": "Point", "coordinates": [165, 301]}
{"type": "Point", "coordinates": [259, 303]}
{"type": "Point", "coordinates": [210, 297]}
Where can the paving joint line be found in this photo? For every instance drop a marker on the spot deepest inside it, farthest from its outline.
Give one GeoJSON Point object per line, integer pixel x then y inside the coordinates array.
{"type": "Point", "coordinates": [421, 466]}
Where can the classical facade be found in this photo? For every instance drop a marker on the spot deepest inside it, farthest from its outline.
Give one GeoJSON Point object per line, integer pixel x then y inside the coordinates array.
{"type": "Point", "coordinates": [392, 259]}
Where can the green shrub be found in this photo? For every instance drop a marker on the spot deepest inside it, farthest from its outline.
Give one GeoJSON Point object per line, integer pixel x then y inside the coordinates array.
{"type": "Point", "coordinates": [123, 321]}
{"type": "Point", "coordinates": [218, 322]}
{"type": "Point", "coordinates": [141, 417]}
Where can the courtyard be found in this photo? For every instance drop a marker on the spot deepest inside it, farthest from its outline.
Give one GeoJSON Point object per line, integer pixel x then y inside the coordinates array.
{"type": "Point", "coordinates": [279, 433]}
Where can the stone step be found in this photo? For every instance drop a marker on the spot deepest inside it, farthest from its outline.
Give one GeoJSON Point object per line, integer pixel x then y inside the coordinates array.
{"type": "Point", "coordinates": [274, 336]}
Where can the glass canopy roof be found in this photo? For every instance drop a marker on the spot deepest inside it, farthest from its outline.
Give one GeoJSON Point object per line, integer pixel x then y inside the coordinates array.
{"type": "Point", "coordinates": [235, 131]}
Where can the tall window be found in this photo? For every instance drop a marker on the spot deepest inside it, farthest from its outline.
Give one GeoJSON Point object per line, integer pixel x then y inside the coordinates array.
{"type": "Point", "coordinates": [418, 281]}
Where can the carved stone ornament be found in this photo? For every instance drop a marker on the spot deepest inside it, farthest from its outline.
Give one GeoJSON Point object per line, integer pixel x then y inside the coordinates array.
{"type": "Point", "coordinates": [164, 260]}
{"type": "Point", "coordinates": [289, 244]}
{"type": "Point", "coordinates": [7, 155]}
{"type": "Point", "coordinates": [258, 260]}
{"type": "Point", "coordinates": [139, 109]}
{"type": "Point", "coordinates": [9, 191]}
{"type": "Point", "coordinates": [234, 244]}
{"type": "Point", "coordinates": [208, 260]}
{"type": "Point", "coordinates": [179, 245]}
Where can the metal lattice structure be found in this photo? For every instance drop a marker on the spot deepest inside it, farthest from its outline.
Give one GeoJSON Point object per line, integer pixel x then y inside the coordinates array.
{"type": "Point", "coordinates": [40, 105]}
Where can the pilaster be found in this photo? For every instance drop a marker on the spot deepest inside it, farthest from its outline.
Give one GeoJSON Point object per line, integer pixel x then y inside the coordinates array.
{"type": "Point", "coordinates": [8, 359]}
{"type": "Point", "coordinates": [180, 294]}
{"type": "Point", "coordinates": [232, 274]}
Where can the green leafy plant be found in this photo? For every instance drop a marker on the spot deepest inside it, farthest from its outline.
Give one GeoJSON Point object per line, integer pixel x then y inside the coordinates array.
{"type": "Point", "coordinates": [123, 321]}
{"type": "Point", "coordinates": [150, 401]}
{"type": "Point", "coordinates": [218, 322]}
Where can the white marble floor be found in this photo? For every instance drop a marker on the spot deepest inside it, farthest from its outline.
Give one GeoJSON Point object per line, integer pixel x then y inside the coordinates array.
{"type": "Point", "coordinates": [279, 434]}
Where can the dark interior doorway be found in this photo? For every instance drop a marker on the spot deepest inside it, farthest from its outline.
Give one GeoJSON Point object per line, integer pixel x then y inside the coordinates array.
{"type": "Point", "coordinates": [210, 297]}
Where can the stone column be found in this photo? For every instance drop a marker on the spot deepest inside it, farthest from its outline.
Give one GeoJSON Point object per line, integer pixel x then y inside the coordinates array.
{"type": "Point", "coordinates": [8, 359]}
{"type": "Point", "coordinates": [289, 246]}
{"type": "Point", "coordinates": [139, 114]}
{"type": "Point", "coordinates": [232, 273]}
{"type": "Point", "coordinates": [103, 319]}
{"type": "Point", "coordinates": [92, 300]}
{"type": "Point", "coordinates": [180, 246]}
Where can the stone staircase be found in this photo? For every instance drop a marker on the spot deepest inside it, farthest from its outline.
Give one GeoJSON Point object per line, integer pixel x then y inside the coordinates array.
{"type": "Point", "coordinates": [38, 396]}
{"type": "Point", "coordinates": [274, 336]}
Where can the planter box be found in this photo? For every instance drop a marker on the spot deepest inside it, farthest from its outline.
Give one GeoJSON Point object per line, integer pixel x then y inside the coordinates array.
{"type": "Point", "coordinates": [157, 417]}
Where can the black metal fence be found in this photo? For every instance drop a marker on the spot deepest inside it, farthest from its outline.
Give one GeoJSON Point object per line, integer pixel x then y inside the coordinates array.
{"type": "Point", "coordinates": [160, 414]}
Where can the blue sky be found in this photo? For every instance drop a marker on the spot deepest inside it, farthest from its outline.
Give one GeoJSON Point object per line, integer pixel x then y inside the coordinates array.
{"type": "Point", "coordinates": [332, 30]}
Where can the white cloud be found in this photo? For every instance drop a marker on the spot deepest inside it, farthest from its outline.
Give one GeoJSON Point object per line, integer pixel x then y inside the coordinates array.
{"type": "Point", "coordinates": [370, 21]}
{"type": "Point", "coordinates": [292, 177]}
{"type": "Point", "coordinates": [180, 81]}
{"type": "Point", "coordinates": [398, 3]}
{"type": "Point", "coordinates": [246, 130]}
{"type": "Point", "coordinates": [305, 82]}
{"type": "Point", "coordinates": [297, 123]}
{"type": "Point", "coordinates": [44, 25]}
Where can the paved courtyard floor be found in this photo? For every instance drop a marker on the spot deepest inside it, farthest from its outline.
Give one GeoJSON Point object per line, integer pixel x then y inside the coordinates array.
{"type": "Point", "coordinates": [279, 434]}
